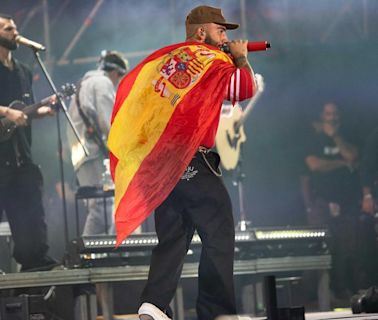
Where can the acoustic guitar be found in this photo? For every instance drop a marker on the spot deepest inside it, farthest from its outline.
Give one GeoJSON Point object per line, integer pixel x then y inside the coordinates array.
{"type": "Point", "coordinates": [230, 135]}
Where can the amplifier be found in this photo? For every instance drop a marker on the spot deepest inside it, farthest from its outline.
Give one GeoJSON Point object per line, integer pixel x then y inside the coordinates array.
{"type": "Point", "coordinates": [99, 250]}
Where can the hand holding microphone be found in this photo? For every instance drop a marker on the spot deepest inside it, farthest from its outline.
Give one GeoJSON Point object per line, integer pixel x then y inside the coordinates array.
{"type": "Point", "coordinates": [251, 46]}
{"type": "Point", "coordinates": [29, 43]}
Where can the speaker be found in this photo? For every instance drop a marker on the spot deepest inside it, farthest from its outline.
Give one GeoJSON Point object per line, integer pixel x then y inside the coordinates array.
{"type": "Point", "coordinates": [39, 303]}
{"type": "Point", "coordinates": [24, 307]}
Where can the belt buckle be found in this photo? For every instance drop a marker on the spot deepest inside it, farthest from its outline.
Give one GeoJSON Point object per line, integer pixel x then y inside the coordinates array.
{"type": "Point", "coordinates": [203, 149]}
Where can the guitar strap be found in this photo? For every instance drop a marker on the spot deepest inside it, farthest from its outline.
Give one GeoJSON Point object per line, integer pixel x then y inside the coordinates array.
{"type": "Point", "coordinates": [93, 129]}
{"type": "Point", "coordinates": [26, 98]}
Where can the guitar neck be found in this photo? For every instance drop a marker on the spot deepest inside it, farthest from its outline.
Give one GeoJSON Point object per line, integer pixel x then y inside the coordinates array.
{"type": "Point", "coordinates": [249, 108]}
{"type": "Point", "coordinates": [34, 107]}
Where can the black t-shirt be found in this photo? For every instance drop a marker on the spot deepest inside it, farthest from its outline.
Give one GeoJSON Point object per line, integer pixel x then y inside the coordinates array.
{"type": "Point", "coordinates": [16, 84]}
{"type": "Point", "coordinates": [340, 185]}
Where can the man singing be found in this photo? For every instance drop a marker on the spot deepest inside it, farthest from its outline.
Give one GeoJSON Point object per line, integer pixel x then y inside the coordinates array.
{"type": "Point", "coordinates": [164, 123]}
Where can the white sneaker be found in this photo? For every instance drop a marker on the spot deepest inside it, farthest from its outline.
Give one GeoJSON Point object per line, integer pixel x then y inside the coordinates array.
{"type": "Point", "coordinates": [148, 311]}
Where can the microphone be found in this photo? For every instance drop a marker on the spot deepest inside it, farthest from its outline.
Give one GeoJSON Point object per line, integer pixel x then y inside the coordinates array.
{"type": "Point", "coordinates": [258, 46]}
{"type": "Point", "coordinates": [29, 43]}
{"type": "Point", "coordinates": [251, 46]}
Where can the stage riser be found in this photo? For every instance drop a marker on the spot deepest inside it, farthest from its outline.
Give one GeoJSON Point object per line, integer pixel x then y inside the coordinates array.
{"type": "Point", "coordinates": [100, 251]}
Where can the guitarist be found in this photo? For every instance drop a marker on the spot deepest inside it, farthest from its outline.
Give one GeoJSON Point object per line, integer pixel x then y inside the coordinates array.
{"type": "Point", "coordinates": [90, 110]}
{"type": "Point", "coordinates": [20, 178]}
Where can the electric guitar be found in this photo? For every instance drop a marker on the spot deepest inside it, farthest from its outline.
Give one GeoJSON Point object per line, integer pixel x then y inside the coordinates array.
{"type": "Point", "coordinates": [7, 126]}
{"type": "Point", "coordinates": [230, 134]}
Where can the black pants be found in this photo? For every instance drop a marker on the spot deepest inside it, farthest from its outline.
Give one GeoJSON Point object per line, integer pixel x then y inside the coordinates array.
{"type": "Point", "coordinates": [354, 252]}
{"type": "Point", "coordinates": [198, 202]}
{"type": "Point", "coordinates": [21, 199]}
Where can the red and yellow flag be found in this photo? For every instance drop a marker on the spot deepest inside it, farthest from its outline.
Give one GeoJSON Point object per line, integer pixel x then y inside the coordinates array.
{"type": "Point", "coordinates": [163, 110]}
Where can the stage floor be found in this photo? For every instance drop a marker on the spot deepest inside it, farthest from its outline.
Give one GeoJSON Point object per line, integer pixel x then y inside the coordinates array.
{"type": "Point", "coordinates": [331, 315]}
{"type": "Point", "coordinates": [347, 314]}
{"type": "Point", "coordinates": [340, 315]}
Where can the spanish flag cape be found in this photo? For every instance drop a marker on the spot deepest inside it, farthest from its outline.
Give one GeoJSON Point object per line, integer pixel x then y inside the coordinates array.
{"type": "Point", "coordinates": [163, 109]}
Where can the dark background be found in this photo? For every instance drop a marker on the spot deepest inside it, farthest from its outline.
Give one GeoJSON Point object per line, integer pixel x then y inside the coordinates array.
{"type": "Point", "coordinates": [321, 51]}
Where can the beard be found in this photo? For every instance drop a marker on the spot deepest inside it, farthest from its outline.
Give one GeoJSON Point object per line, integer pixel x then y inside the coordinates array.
{"type": "Point", "coordinates": [210, 41]}
{"type": "Point", "coordinates": [8, 44]}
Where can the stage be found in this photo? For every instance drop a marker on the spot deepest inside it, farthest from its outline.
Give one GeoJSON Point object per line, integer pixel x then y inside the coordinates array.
{"type": "Point", "coordinates": [308, 316]}
{"type": "Point", "coordinates": [286, 254]}
{"type": "Point", "coordinates": [108, 275]}
{"type": "Point", "coordinates": [86, 306]}
{"type": "Point", "coordinates": [347, 314]}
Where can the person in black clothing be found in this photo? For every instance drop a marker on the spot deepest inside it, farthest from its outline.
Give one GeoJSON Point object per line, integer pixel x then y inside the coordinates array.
{"type": "Point", "coordinates": [199, 201]}
{"type": "Point", "coordinates": [20, 179]}
{"type": "Point", "coordinates": [369, 173]}
{"type": "Point", "coordinates": [369, 179]}
{"type": "Point", "coordinates": [332, 196]}
{"type": "Point", "coordinates": [331, 158]}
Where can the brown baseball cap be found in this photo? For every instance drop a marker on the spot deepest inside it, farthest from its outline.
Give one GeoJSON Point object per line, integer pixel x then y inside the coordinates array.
{"type": "Point", "coordinates": [207, 14]}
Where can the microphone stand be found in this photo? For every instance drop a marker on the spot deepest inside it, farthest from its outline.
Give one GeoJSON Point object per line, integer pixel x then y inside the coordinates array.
{"type": "Point", "coordinates": [60, 145]}
{"type": "Point", "coordinates": [243, 224]}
